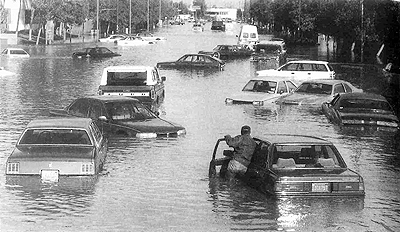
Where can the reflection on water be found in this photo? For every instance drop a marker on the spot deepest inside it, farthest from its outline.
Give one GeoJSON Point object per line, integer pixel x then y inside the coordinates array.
{"type": "Point", "coordinates": [162, 184]}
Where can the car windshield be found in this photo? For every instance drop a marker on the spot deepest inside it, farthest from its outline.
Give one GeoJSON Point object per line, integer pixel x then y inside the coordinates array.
{"type": "Point", "coordinates": [315, 88]}
{"type": "Point", "coordinates": [365, 104]}
{"type": "Point", "coordinates": [267, 48]}
{"type": "Point", "coordinates": [128, 110]}
{"type": "Point", "coordinates": [55, 137]}
{"type": "Point", "coordinates": [260, 86]}
{"type": "Point", "coordinates": [136, 78]}
{"type": "Point", "coordinates": [305, 156]}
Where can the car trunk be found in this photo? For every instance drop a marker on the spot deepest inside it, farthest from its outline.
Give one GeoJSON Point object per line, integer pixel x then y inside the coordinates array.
{"type": "Point", "coordinates": [323, 182]}
{"type": "Point", "coordinates": [368, 117]}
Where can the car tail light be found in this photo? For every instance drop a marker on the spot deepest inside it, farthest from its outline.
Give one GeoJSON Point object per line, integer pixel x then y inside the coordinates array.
{"type": "Point", "coordinates": [361, 185]}
{"type": "Point", "coordinates": [333, 75]}
{"type": "Point", "coordinates": [12, 168]}
{"type": "Point", "coordinates": [258, 103]}
{"type": "Point", "coordinates": [181, 132]}
{"type": "Point", "coordinates": [100, 92]}
{"type": "Point", "coordinates": [289, 187]}
{"type": "Point", "coordinates": [87, 168]}
{"type": "Point", "coordinates": [152, 94]}
{"type": "Point", "coordinates": [229, 101]}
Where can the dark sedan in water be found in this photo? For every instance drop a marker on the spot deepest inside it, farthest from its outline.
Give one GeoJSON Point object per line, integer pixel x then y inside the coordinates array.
{"type": "Point", "coordinates": [54, 147]}
{"type": "Point", "coordinates": [361, 109]}
{"type": "Point", "coordinates": [193, 61]}
{"type": "Point", "coordinates": [229, 51]}
{"type": "Point", "coordinates": [121, 116]}
{"type": "Point", "coordinates": [294, 165]}
{"type": "Point", "coordinates": [95, 52]}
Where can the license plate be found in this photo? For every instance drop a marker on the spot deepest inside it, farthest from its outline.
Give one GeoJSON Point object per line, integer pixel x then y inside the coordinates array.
{"type": "Point", "coordinates": [320, 187]}
{"type": "Point", "coordinates": [49, 175]}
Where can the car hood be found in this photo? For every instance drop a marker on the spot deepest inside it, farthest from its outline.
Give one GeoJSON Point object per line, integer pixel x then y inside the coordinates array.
{"type": "Point", "coordinates": [304, 99]}
{"type": "Point", "coordinates": [25, 152]}
{"type": "Point", "coordinates": [156, 125]}
{"type": "Point", "coordinates": [253, 96]}
{"type": "Point", "coordinates": [367, 113]}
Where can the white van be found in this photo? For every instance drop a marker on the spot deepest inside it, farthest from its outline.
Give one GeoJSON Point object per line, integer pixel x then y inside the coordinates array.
{"type": "Point", "coordinates": [248, 35]}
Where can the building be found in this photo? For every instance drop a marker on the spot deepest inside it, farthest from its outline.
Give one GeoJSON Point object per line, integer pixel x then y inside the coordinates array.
{"type": "Point", "coordinates": [15, 15]}
{"type": "Point", "coordinates": [222, 13]}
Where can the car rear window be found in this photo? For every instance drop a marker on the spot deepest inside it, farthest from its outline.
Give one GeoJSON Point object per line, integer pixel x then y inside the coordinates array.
{"type": "Point", "coordinates": [17, 52]}
{"type": "Point", "coordinates": [305, 156]}
{"type": "Point", "coordinates": [55, 136]}
{"type": "Point", "coordinates": [127, 78]}
{"type": "Point", "coordinates": [365, 104]}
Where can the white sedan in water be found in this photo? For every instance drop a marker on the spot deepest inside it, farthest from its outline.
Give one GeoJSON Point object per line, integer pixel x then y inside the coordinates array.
{"type": "Point", "coordinates": [260, 91]}
{"type": "Point", "coordinates": [302, 70]}
{"type": "Point", "coordinates": [133, 41]}
{"type": "Point", "coordinates": [112, 38]}
{"type": "Point", "coordinates": [150, 37]}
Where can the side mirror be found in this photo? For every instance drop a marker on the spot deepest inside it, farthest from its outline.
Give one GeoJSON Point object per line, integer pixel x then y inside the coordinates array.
{"type": "Point", "coordinates": [103, 118]}
{"type": "Point", "coordinates": [163, 78]}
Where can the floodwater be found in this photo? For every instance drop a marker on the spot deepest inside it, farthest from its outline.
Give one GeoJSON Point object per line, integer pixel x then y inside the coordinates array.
{"type": "Point", "coordinates": [163, 184]}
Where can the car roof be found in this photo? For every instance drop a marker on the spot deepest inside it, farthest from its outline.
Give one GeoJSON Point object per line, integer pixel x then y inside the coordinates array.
{"type": "Point", "coordinates": [60, 122]}
{"type": "Point", "coordinates": [128, 68]}
{"type": "Point", "coordinates": [271, 78]}
{"type": "Point", "coordinates": [325, 81]}
{"type": "Point", "coordinates": [294, 139]}
{"type": "Point", "coordinates": [309, 61]}
{"type": "Point", "coordinates": [111, 98]}
{"type": "Point", "coordinates": [357, 95]}
{"type": "Point", "coordinates": [20, 49]}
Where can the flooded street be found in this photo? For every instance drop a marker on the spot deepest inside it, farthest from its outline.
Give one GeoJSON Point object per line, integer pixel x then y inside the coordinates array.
{"type": "Point", "coordinates": [163, 184]}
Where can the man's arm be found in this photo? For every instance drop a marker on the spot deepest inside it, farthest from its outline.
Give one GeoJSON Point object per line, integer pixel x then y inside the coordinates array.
{"type": "Point", "coordinates": [232, 142]}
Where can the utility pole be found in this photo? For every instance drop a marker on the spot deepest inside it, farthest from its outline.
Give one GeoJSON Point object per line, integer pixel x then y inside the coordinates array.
{"type": "Point", "coordinates": [148, 15]}
{"type": "Point", "coordinates": [97, 26]}
{"type": "Point", "coordinates": [130, 16]}
{"type": "Point", "coordinates": [362, 32]}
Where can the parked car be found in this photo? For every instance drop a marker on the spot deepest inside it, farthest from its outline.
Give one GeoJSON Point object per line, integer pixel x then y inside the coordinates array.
{"type": "Point", "coordinates": [15, 53]}
{"type": "Point", "coordinates": [121, 116]}
{"type": "Point", "coordinates": [217, 25]}
{"type": "Point", "coordinates": [133, 41]}
{"type": "Point", "coordinates": [302, 70]}
{"type": "Point", "coordinates": [261, 91]}
{"type": "Point", "coordinates": [316, 92]}
{"type": "Point", "coordinates": [361, 109]}
{"type": "Point", "coordinates": [112, 38]}
{"type": "Point", "coordinates": [229, 51]}
{"type": "Point", "coordinates": [54, 147]}
{"type": "Point", "coordinates": [141, 82]}
{"type": "Point", "coordinates": [150, 37]}
{"type": "Point", "coordinates": [95, 52]}
{"type": "Point", "coordinates": [269, 51]}
{"type": "Point", "coordinates": [293, 165]}
{"type": "Point", "coordinates": [193, 61]}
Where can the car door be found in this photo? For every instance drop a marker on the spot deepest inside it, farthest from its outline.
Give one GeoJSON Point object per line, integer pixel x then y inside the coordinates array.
{"type": "Point", "coordinates": [158, 87]}
{"type": "Point", "coordinates": [95, 111]}
{"type": "Point", "coordinates": [101, 144]}
{"type": "Point", "coordinates": [329, 109]}
{"type": "Point", "coordinates": [292, 70]}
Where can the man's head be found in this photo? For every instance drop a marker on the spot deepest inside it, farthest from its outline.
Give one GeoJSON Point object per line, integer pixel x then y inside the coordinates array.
{"type": "Point", "coordinates": [245, 130]}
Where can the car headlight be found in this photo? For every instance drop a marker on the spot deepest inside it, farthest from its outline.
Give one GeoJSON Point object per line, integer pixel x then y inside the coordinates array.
{"type": "Point", "coordinates": [229, 101]}
{"type": "Point", "coordinates": [258, 103]}
{"type": "Point", "coordinates": [12, 168]}
{"type": "Point", "coordinates": [146, 135]}
{"type": "Point", "coordinates": [181, 132]}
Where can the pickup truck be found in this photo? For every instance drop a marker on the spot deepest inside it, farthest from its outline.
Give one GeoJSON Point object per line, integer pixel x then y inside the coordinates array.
{"type": "Point", "coordinates": [141, 82]}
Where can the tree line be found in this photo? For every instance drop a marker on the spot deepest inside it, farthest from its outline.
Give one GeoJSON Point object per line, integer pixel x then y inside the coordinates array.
{"type": "Point", "coordinates": [352, 23]}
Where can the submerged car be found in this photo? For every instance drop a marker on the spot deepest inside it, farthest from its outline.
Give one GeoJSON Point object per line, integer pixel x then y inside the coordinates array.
{"type": "Point", "coordinates": [15, 53]}
{"type": "Point", "coordinates": [302, 70]}
{"type": "Point", "coordinates": [317, 92]}
{"type": "Point", "coordinates": [133, 41]}
{"type": "Point", "coordinates": [229, 51]}
{"type": "Point", "coordinates": [150, 37]}
{"type": "Point", "coordinates": [121, 116]}
{"type": "Point", "coordinates": [217, 25]}
{"type": "Point", "coordinates": [112, 38]}
{"type": "Point", "coordinates": [270, 51]}
{"type": "Point", "coordinates": [293, 165]}
{"type": "Point", "coordinates": [95, 52]}
{"type": "Point", "coordinates": [361, 109]}
{"type": "Point", "coordinates": [193, 61]}
{"type": "Point", "coordinates": [260, 91]}
{"type": "Point", "coordinates": [54, 147]}
{"type": "Point", "coordinates": [141, 82]}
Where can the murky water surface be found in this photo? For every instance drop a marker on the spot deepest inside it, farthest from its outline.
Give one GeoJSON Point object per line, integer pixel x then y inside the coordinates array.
{"type": "Point", "coordinates": [162, 184]}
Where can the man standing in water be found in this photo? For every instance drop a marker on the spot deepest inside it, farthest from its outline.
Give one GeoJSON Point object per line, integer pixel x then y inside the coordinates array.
{"type": "Point", "coordinates": [244, 146]}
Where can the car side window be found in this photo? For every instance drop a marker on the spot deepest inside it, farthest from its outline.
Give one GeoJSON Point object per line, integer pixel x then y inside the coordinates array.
{"type": "Point", "coordinates": [208, 60]}
{"type": "Point", "coordinates": [335, 100]}
{"type": "Point", "coordinates": [282, 87]}
{"type": "Point", "coordinates": [96, 132]}
{"type": "Point", "coordinates": [319, 68]}
{"type": "Point", "coordinates": [96, 110]}
{"type": "Point", "coordinates": [291, 86]}
{"type": "Point", "coordinates": [155, 76]}
{"type": "Point", "coordinates": [79, 108]}
{"type": "Point", "coordinates": [199, 59]}
{"type": "Point", "coordinates": [307, 67]}
{"type": "Point", "coordinates": [338, 89]}
{"type": "Point", "coordinates": [347, 88]}
{"type": "Point", "coordinates": [4, 51]}
{"type": "Point", "coordinates": [289, 67]}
